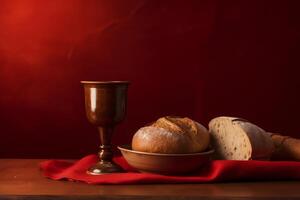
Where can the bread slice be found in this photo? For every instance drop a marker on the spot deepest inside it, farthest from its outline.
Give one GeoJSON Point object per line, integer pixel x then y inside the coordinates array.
{"type": "Point", "coordinates": [237, 139]}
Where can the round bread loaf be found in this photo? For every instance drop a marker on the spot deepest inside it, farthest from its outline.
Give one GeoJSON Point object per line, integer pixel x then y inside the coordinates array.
{"type": "Point", "coordinates": [171, 135]}
{"type": "Point", "coordinates": [238, 139]}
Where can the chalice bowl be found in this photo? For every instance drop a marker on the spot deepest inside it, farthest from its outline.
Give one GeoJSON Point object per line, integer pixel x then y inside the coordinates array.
{"type": "Point", "coordinates": [105, 106]}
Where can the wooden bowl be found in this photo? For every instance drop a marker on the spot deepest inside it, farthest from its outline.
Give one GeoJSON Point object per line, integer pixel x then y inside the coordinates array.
{"type": "Point", "coordinates": [165, 163]}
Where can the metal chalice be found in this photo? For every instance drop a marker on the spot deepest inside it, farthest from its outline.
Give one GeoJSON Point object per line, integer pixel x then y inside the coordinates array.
{"type": "Point", "coordinates": [105, 105]}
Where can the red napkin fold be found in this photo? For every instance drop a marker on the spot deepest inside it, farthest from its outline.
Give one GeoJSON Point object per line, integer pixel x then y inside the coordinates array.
{"type": "Point", "coordinates": [215, 171]}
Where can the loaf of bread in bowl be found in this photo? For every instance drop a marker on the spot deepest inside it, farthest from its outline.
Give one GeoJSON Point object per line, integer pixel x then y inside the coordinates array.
{"type": "Point", "coordinates": [237, 139]}
{"type": "Point", "coordinates": [172, 135]}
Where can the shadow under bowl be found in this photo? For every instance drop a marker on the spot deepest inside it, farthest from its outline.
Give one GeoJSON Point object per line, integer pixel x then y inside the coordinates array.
{"type": "Point", "coordinates": [169, 164]}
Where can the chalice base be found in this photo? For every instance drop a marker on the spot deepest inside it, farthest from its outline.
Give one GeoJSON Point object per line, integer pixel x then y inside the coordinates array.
{"type": "Point", "coordinates": [104, 167]}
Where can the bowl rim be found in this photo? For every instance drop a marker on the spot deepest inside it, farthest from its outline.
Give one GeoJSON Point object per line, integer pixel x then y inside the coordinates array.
{"type": "Point", "coordinates": [127, 148]}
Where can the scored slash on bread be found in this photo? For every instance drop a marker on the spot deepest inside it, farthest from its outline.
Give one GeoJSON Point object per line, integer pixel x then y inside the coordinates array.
{"type": "Point", "coordinates": [168, 124]}
{"type": "Point", "coordinates": [238, 139]}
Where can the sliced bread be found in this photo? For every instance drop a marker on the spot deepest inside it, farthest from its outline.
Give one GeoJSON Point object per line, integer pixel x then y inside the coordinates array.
{"type": "Point", "coordinates": [237, 139]}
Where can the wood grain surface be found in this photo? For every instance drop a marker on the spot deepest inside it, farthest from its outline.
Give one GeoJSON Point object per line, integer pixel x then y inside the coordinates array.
{"type": "Point", "coordinates": [22, 179]}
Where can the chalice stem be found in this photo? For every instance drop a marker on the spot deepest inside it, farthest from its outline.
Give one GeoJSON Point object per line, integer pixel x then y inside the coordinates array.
{"type": "Point", "coordinates": [105, 153]}
{"type": "Point", "coordinates": [105, 164]}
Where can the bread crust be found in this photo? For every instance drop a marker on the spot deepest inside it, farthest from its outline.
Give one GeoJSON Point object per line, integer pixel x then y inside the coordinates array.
{"type": "Point", "coordinates": [286, 148]}
{"type": "Point", "coordinates": [159, 140]}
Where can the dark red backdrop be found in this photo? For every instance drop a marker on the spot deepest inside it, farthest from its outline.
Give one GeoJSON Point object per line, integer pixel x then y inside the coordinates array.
{"type": "Point", "coordinates": [184, 57]}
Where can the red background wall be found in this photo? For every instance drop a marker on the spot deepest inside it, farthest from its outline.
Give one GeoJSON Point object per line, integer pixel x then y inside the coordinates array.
{"type": "Point", "coordinates": [192, 58]}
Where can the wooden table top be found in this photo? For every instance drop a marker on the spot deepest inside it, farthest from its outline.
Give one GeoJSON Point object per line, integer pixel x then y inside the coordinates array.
{"type": "Point", "coordinates": [22, 179]}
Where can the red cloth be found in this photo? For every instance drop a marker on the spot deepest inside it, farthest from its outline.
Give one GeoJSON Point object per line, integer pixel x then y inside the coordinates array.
{"type": "Point", "coordinates": [216, 171]}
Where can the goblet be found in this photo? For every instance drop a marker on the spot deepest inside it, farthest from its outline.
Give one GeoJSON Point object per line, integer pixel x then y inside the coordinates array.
{"type": "Point", "coordinates": [105, 106]}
